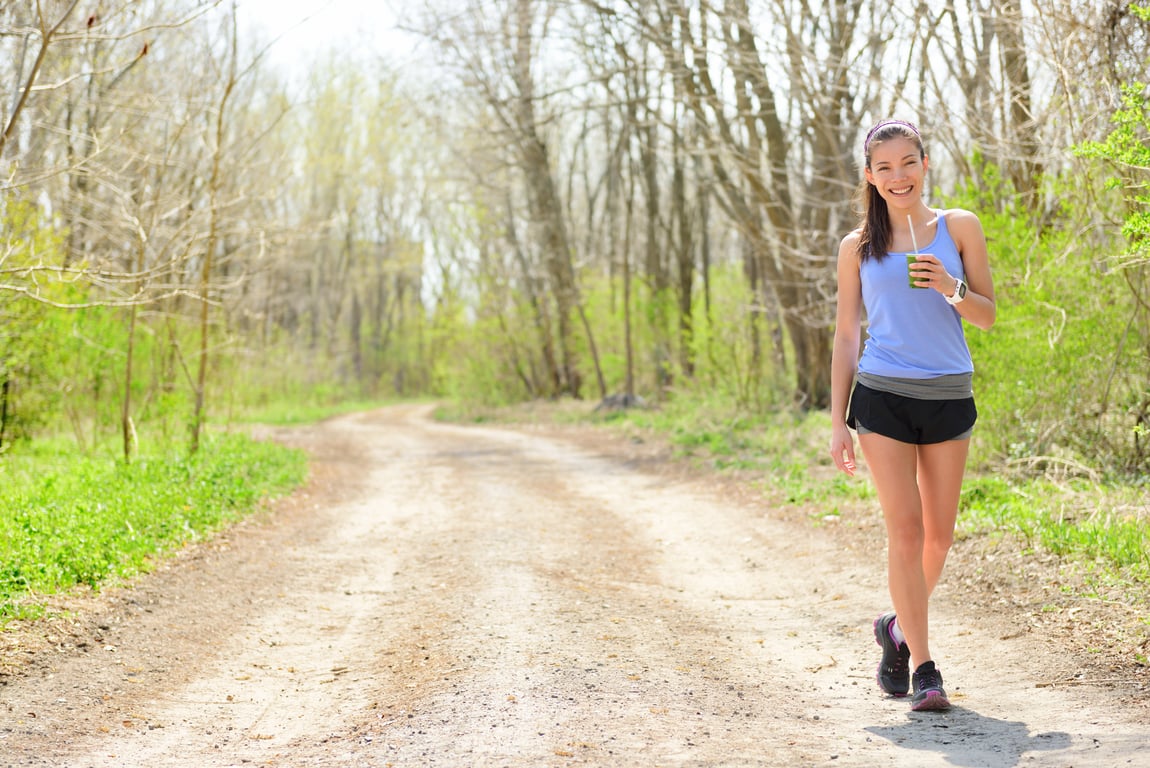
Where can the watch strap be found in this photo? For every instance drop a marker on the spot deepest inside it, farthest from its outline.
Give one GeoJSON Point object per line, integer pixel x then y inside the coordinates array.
{"type": "Point", "coordinates": [959, 292]}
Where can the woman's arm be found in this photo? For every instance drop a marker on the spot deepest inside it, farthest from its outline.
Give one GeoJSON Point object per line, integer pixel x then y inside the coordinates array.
{"type": "Point", "coordinates": [978, 308]}
{"type": "Point", "coordinates": [844, 357]}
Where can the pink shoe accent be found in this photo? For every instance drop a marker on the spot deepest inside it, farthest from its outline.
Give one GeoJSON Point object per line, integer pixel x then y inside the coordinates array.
{"type": "Point", "coordinates": [933, 701]}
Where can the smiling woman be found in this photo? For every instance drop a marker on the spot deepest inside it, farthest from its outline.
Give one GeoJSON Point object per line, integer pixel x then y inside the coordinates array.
{"type": "Point", "coordinates": [910, 395]}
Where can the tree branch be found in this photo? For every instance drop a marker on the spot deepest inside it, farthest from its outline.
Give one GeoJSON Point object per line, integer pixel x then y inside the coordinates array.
{"type": "Point", "coordinates": [46, 35]}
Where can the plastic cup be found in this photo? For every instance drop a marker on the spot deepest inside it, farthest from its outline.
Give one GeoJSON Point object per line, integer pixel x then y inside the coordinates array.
{"type": "Point", "coordinates": [911, 260]}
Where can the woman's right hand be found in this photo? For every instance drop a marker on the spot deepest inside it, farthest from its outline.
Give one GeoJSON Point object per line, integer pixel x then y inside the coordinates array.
{"type": "Point", "coordinates": [843, 449]}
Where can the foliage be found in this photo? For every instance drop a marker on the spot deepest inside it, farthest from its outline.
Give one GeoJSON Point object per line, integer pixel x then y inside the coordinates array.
{"type": "Point", "coordinates": [377, 238]}
{"type": "Point", "coordinates": [1072, 520]}
{"type": "Point", "coordinates": [1054, 378]}
{"type": "Point", "coordinates": [71, 519]}
{"type": "Point", "coordinates": [1127, 150]}
{"type": "Point", "coordinates": [33, 336]}
{"type": "Point", "coordinates": [734, 354]}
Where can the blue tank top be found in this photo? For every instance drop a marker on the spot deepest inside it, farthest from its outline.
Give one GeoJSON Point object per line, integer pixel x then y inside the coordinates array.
{"type": "Point", "coordinates": [912, 333]}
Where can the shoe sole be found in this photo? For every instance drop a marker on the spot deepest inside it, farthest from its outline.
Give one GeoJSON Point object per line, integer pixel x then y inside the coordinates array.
{"type": "Point", "coordinates": [879, 633]}
{"type": "Point", "coordinates": [933, 701]}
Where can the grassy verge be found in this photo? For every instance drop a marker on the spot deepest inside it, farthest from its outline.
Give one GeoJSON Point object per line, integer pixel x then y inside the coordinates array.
{"type": "Point", "coordinates": [70, 519]}
{"type": "Point", "coordinates": [291, 413]}
{"type": "Point", "coordinates": [1104, 525]}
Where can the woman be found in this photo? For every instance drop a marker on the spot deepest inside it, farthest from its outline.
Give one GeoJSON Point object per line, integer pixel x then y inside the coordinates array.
{"type": "Point", "coordinates": [912, 402]}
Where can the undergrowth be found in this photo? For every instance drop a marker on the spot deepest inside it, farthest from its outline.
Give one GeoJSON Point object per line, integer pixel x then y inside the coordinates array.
{"type": "Point", "coordinates": [1106, 524]}
{"type": "Point", "coordinates": [73, 519]}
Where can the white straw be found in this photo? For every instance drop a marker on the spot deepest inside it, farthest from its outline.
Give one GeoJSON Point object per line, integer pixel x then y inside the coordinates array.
{"type": "Point", "coordinates": [913, 239]}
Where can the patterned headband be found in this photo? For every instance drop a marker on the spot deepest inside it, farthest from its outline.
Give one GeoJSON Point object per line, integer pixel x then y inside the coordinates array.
{"type": "Point", "coordinates": [884, 124]}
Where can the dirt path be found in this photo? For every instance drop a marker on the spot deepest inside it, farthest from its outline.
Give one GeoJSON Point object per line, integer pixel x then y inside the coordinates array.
{"type": "Point", "coordinates": [458, 596]}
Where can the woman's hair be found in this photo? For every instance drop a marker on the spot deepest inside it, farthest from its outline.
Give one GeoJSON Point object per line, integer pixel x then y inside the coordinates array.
{"type": "Point", "coordinates": [875, 239]}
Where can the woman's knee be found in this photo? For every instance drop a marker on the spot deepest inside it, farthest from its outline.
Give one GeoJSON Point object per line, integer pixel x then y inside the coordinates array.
{"type": "Point", "coordinates": [906, 539]}
{"type": "Point", "coordinates": [938, 528]}
{"type": "Point", "coordinates": [939, 541]}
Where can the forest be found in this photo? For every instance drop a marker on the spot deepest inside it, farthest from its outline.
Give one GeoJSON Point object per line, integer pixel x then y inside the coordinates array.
{"type": "Point", "coordinates": [557, 199]}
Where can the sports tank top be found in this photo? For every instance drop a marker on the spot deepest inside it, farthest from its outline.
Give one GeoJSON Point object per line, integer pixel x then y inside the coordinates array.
{"type": "Point", "coordinates": [912, 333]}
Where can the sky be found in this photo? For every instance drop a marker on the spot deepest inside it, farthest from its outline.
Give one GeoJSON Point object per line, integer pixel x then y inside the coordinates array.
{"type": "Point", "coordinates": [308, 27]}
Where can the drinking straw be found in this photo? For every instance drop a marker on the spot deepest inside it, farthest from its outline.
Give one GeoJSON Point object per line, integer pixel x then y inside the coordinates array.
{"type": "Point", "coordinates": [913, 239]}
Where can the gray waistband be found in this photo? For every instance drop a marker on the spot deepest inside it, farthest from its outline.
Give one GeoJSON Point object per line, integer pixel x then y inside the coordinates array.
{"type": "Point", "coordinates": [954, 386]}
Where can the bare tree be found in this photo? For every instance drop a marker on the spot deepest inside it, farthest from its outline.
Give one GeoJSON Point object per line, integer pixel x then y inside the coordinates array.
{"type": "Point", "coordinates": [48, 29]}
{"type": "Point", "coordinates": [495, 49]}
{"type": "Point", "coordinates": [757, 142]}
{"type": "Point", "coordinates": [78, 147]}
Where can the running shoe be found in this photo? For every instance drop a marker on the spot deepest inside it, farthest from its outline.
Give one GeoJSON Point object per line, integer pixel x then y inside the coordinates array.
{"type": "Point", "coordinates": [894, 670]}
{"type": "Point", "coordinates": [928, 692]}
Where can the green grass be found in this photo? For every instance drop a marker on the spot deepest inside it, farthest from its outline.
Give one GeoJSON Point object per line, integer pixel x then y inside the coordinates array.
{"type": "Point", "coordinates": [295, 413]}
{"type": "Point", "coordinates": [70, 519]}
{"type": "Point", "coordinates": [788, 448]}
{"type": "Point", "coordinates": [1106, 525]}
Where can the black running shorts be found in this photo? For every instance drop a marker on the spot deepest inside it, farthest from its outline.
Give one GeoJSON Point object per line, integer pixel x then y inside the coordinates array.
{"type": "Point", "coordinates": [909, 419]}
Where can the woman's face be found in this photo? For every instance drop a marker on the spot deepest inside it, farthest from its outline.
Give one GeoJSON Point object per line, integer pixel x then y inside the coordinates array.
{"type": "Point", "coordinates": [897, 171]}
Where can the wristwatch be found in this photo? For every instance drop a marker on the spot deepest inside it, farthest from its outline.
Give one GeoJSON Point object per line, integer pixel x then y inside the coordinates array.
{"type": "Point", "coordinates": [959, 293]}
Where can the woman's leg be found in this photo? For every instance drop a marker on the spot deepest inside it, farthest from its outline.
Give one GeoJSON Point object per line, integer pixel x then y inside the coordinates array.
{"type": "Point", "coordinates": [894, 467]}
{"type": "Point", "coordinates": [940, 470]}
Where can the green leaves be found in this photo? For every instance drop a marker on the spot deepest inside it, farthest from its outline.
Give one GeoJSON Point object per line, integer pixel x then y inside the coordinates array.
{"type": "Point", "coordinates": [1127, 150]}
{"type": "Point", "coordinates": [1056, 382]}
{"type": "Point", "coordinates": [67, 519]}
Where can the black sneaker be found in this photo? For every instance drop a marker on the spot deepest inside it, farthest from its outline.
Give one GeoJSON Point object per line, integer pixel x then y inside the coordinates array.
{"type": "Point", "coordinates": [928, 692]}
{"type": "Point", "coordinates": [894, 670]}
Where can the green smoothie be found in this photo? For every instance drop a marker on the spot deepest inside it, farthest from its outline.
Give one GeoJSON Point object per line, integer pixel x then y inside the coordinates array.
{"type": "Point", "coordinates": [911, 260]}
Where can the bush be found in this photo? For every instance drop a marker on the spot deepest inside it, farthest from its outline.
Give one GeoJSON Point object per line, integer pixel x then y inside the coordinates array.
{"type": "Point", "coordinates": [1056, 375]}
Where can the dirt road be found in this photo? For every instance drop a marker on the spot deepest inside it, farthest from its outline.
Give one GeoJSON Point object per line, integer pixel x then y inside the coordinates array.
{"type": "Point", "coordinates": [462, 596]}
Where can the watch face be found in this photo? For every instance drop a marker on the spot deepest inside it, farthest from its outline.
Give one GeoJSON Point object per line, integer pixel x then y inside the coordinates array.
{"type": "Point", "coordinates": [961, 290]}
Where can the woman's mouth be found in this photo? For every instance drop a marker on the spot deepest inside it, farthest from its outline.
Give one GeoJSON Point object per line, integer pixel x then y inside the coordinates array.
{"type": "Point", "coordinates": [900, 190]}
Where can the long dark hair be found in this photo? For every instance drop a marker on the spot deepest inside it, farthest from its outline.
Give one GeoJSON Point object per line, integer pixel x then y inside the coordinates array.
{"type": "Point", "coordinates": [876, 233]}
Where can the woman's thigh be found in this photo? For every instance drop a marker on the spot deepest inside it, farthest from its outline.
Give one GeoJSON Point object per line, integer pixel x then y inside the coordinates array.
{"type": "Point", "coordinates": [893, 466]}
{"type": "Point", "coordinates": [941, 467]}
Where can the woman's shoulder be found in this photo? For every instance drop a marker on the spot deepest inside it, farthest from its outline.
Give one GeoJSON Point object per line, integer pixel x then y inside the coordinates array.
{"type": "Point", "coordinates": [849, 245]}
{"type": "Point", "coordinates": [963, 225]}
{"type": "Point", "coordinates": [960, 217]}
{"type": "Point", "coordinates": [851, 239]}
{"type": "Point", "coordinates": [965, 231]}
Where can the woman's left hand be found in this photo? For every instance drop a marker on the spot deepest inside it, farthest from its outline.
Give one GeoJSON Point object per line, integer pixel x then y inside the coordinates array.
{"type": "Point", "coordinates": [928, 272]}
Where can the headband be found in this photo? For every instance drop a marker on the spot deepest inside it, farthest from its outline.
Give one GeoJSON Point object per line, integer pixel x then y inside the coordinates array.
{"type": "Point", "coordinates": [884, 124]}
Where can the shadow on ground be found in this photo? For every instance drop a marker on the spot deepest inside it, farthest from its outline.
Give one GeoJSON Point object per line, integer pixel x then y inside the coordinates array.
{"type": "Point", "coordinates": [966, 738]}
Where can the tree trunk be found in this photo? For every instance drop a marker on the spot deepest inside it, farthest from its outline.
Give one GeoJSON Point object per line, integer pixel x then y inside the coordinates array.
{"type": "Point", "coordinates": [543, 202]}
{"type": "Point", "coordinates": [684, 255]}
{"type": "Point", "coordinates": [1025, 167]}
{"type": "Point", "coordinates": [213, 236]}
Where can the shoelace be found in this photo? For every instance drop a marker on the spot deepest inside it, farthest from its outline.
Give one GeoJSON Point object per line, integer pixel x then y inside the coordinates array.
{"type": "Point", "coordinates": [925, 681]}
{"type": "Point", "coordinates": [901, 660]}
